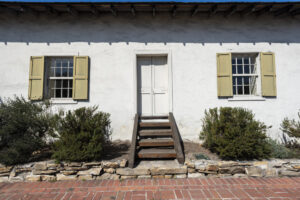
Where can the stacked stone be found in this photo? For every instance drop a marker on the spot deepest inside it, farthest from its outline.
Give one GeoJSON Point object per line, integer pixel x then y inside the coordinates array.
{"type": "Point", "coordinates": [51, 171]}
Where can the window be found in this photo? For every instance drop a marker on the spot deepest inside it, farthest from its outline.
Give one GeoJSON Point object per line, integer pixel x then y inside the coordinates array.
{"type": "Point", "coordinates": [244, 74]}
{"type": "Point", "coordinates": [60, 77]}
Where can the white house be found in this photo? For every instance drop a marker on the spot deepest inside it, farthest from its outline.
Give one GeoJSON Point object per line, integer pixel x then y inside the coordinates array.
{"type": "Point", "coordinates": [153, 57]}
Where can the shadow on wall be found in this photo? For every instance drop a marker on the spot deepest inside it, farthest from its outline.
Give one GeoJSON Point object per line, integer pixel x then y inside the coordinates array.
{"type": "Point", "coordinates": [147, 29]}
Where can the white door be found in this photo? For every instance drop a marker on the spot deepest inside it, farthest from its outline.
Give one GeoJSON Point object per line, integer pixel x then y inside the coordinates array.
{"type": "Point", "coordinates": [153, 79]}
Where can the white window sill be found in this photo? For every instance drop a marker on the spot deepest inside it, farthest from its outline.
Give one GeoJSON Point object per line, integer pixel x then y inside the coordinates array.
{"type": "Point", "coordinates": [247, 98]}
{"type": "Point", "coordinates": [63, 101]}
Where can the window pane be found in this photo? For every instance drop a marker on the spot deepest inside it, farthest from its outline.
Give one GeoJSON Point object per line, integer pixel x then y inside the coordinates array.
{"type": "Point", "coordinates": [58, 84]}
{"type": "Point", "coordinates": [233, 61]}
{"type": "Point", "coordinates": [52, 73]}
{"type": "Point", "coordinates": [65, 63]}
{"type": "Point", "coordinates": [58, 63]}
{"type": "Point", "coordinates": [233, 80]}
{"type": "Point", "coordinates": [71, 63]}
{"type": "Point", "coordinates": [246, 90]}
{"type": "Point", "coordinates": [58, 72]}
{"type": "Point", "coordinates": [52, 93]}
{"type": "Point", "coordinates": [240, 89]}
{"type": "Point", "coordinates": [246, 61]}
{"type": "Point", "coordinates": [240, 69]}
{"type": "Point", "coordinates": [234, 90]}
{"type": "Point", "coordinates": [58, 93]}
{"type": "Point", "coordinates": [246, 80]}
{"type": "Point", "coordinates": [65, 83]}
{"type": "Point", "coordinates": [52, 84]}
{"type": "Point", "coordinates": [70, 72]}
{"type": "Point", "coordinates": [65, 93]}
{"type": "Point", "coordinates": [70, 93]}
{"type": "Point", "coordinates": [233, 69]}
{"type": "Point", "coordinates": [246, 69]}
{"type": "Point", "coordinates": [70, 83]}
{"type": "Point", "coordinates": [239, 61]}
{"type": "Point", "coordinates": [253, 69]}
{"type": "Point", "coordinates": [239, 80]}
{"type": "Point", "coordinates": [64, 72]}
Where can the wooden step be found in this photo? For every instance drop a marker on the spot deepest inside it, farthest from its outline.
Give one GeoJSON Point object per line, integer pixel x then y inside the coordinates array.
{"type": "Point", "coordinates": [154, 124]}
{"type": "Point", "coordinates": [157, 153]}
{"type": "Point", "coordinates": [156, 132]}
{"type": "Point", "coordinates": [154, 117]}
{"type": "Point", "coordinates": [156, 142]}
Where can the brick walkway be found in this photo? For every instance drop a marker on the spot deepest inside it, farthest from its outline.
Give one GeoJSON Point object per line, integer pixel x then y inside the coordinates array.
{"type": "Point", "coordinates": [205, 188]}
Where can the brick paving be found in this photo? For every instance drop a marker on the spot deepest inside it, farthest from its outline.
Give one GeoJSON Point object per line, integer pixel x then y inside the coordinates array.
{"type": "Point", "coordinates": [202, 188]}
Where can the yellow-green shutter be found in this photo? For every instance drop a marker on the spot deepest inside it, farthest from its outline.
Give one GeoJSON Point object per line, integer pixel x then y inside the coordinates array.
{"type": "Point", "coordinates": [268, 74]}
{"type": "Point", "coordinates": [224, 75]}
{"type": "Point", "coordinates": [36, 78]}
{"type": "Point", "coordinates": [80, 77]}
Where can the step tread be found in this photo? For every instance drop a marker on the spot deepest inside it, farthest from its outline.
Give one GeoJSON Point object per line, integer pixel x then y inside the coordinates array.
{"type": "Point", "coordinates": [155, 117]}
{"type": "Point", "coordinates": [156, 142]}
{"type": "Point", "coordinates": [156, 132]}
{"type": "Point", "coordinates": [157, 153]}
{"type": "Point", "coordinates": [154, 124]}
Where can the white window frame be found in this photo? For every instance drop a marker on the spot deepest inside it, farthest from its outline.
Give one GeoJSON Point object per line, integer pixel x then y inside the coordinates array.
{"type": "Point", "coordinates": [252, 97]}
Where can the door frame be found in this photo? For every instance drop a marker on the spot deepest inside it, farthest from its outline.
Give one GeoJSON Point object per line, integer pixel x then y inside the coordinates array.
{"type": "Point", "coordinates": [145, 53]}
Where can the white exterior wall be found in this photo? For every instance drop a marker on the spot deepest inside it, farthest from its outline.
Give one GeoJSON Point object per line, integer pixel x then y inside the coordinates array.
{"type": "Point", "coordinates": [111, 42]}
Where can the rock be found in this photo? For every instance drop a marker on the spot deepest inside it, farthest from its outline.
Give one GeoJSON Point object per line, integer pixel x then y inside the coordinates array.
{"type": "Point", "coordinates": [40, 166]}
{"type": "Point", "coordinates": [240, 175]}
{"type": "Point", "coordinates": [195, 175]}
{"type": "Point", "coordinates": [23, 169]}
{"type": "Point", "coordinates": [53, 166]}
{"type": "Point", "coordinates": [168, 176]}
{"type": "Point", "coordinates": [254, 171]}
{"type": "Point", "coordinates": [271, 172]}
{"type": "Point", "coordinates": [200, 166]}
{"type": "Point", "coordinates": [289, 173]}
{"type": "Point", "coordinates": [45, 172]}
{"type": "Point", "coordinates": [132, 172]}
{"type": "Point", "coordinates": [67, 173]}
{"type": "Point", "coordinates": [76, 168]}
{"type": "Point", "coordinates": [48, 178]}
{"type": "Point", "coordinates": [85, 177]}
{"type": "Point", "coordinates": [144, 177]}
{"type": "Point", "coordinates": [92, 171]}
{"type": "Point", "coordinates": [123, 163]}
{"type": "Point", "coordinates": [3, 179]}
{"type": "Point", "coordinates": [5, 174]}
{"type": "Point", "coordinates": [91, 164]}
{"type": "Point", "coordinates": [225, 164]}
{"type": "Point", "coordinates": [109, 170]}
{"type": "Point", "coordinates": [297, 167]}
{"type": "Point", "coordinates": [189, 164]}
{"type": "Point", "coordinates": [191, 170]}
{"type": "Point", "coordinates": [158, 176]}
{"type": "Point", "coordinates": [224, 170]}
{"type": "Point", "coordinates": [74, 164]}
{"type": "Point", "coordinates": [108, 176]}
{"type": "Point", "coordinates": [165, 170]}
{"type": "Point", "coordinates": [179, 176]}
{"type": "Point", "coordinates": [61, 177]}
{"type": "Point", "coordinates": [107, 164]}
{"type": "Point", "coordinates": [5, 170]}
{"type": "Point", "coordinates": [33, 178]}
{"type": "Point", "coordinates": [16, 179]}
{"type": "Point", "coordinates": [261, 164]}
{"type": "Point", "coordinates": [237, 170]}
{"type": "Point", "coordinates": [127, 177]}
{"type": "Point", "coordinates": [214, 168]}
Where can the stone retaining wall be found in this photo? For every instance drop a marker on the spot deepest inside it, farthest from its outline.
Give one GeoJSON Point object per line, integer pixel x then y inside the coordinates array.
{"type": "Point", "coordinates": [51, 171]}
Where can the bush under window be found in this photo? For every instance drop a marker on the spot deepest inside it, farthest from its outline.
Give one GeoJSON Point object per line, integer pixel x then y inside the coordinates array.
{"type": "Point", "coordinates": [234, 134]}
{"type": "Point", "coordinates": [82, 135]}
{"type": "Point", "coordinates": [291, 127]}
{"type": "Point", "coordinates": [24, 126]}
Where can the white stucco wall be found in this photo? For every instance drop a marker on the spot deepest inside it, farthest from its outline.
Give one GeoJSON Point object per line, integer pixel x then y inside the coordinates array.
{"type": "Point", "coordinates": [110, 42]}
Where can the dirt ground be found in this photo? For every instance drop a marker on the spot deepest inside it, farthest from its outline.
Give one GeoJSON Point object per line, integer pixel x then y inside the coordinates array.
{"type": "Point", "coordinates": [119, 149]}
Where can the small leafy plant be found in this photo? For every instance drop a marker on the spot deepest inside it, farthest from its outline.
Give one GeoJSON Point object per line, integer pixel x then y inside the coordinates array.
{"type": "Point", "coordinates": [234, 134]}
{"type": "Point", "coordinates": [82, 135]}
{"type": "Point", "coordinates": [291, 127]}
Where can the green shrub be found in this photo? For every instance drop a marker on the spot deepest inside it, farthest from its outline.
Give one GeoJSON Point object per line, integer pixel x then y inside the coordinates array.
{"type": "Point", "coordinates": [82, 135]}
{"type": "Point", "coordinates": [233, 133]}
{"type": "Point", "coordinates": [24, 125]}
{"type": "Point", "coordinates": [279, 150]}
{"type": "Point", "coordinates": [291, 127]}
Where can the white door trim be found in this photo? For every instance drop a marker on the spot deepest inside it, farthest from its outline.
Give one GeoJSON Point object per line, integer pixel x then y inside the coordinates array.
{"type": "Point", "coordinates": [170, 72]}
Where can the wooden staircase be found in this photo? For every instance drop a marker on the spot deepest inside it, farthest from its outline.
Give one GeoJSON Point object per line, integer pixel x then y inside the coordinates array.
{"type": "Point", "coordinates": [155, 137]}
